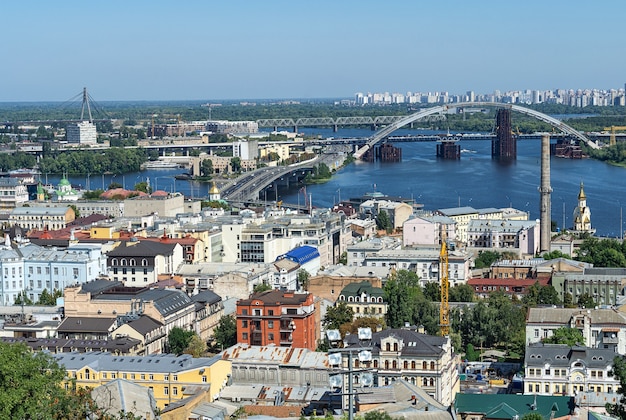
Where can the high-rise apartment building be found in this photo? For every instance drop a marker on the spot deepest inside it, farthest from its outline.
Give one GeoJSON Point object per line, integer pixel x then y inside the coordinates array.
{"type": "Point", "coordinates": [83, 132]}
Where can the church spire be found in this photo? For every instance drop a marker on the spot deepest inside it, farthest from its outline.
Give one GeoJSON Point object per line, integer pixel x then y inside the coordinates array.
{"type": "Point", "coordinates": [581, 194]}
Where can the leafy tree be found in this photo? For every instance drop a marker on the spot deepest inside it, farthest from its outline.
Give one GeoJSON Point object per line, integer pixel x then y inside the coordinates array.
{"type": "Point", "coordinates": [432, 291]}
{"type": "Point", "coordinates": [383, 222]}
{"type": "Point", "coordinates": [76, 211]}
{"type": "Point", "coordinates": [568, 300]}
{"type": "Point", "coordinates": [178, 340]}
{"type": "Point", "coordinates": [401, 292]}
{"type": "Point", "coordinates": [206, 168]}
{"type": "Point", "coordinates": [261, 287]}
{"type": "Point", "coordinates": [49, 299]}
{"type": "Point", "coordinates": [303, 279]}
{"type": "Point", "coordinates": [532, 416]}
{"type": "Point", "coordinates": [26, 300]}
{"type": "Point", "coordinates": [372, 322]}
{"type": "Point", "coordinates": [337, 315]}
{"type": "Point", "coordinates": [377, 415]}
{"type": "Point", "coordinates": [31, 387]}
{"type": "Point", "coordinates": [471, 354]}
{"type": "Point", "coordinates": [486, 258]}
{"type": "Point", "coordinates": [461, 293]}
{"type": "Point", "coordinates": [114, 185]}
{"type": "Point", "coordinates": [554, 255]}
{"type": "Point", "coordinates": [540, 295]}
{"type": "Point", "coordinates": [235, 164]}
{"type": "Point", "coordinates": [585, 300]}
{"type": "Point", "coordinates": [565, 335]}
{"type": "Point", "coordinates": [196, 347]}
{"type": "Point", "coordinates": [618, 371]}
{"type": "Point", "coordinates": [343, 258]}
{"type": "Point", "coordinates": [143, 186]}
{"type": "Point", "coordinates": [226, 332]}
{"type": "Point", "coordinates": [92, 195]}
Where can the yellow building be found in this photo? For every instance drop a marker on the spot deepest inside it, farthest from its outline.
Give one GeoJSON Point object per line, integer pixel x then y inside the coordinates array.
{"type": "Point", "coordinates": [171, 378]}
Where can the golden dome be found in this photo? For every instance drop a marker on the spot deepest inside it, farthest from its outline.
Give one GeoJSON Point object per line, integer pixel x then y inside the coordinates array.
{"type": "Point", "coordinates": [214, 189]}
{"type": "Point", "coordinates": [581, 194]}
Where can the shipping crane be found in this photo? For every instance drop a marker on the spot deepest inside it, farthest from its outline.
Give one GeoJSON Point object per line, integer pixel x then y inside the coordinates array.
{"type": "Point", "coordinates": [444, 308]}
{"type": "Point", "coordinates": [613, 128]}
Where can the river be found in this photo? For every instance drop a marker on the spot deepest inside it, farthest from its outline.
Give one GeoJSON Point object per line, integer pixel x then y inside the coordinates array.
{"type": "Point", "coordinates": [475, 180]}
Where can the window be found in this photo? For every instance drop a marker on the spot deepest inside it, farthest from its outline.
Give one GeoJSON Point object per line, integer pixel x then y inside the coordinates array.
{"type": "Point", "coordinates": [547, 388]}
{"type": "Point", "coordinates": [175, 378]}
{"type": "Point", "coordinates": [244, 323]}
{"type": "Point", "coordinates": [270, 312]}
{"type": "Point", "coordinates": [175, 390]}
{"type": "Point", "coordinates": [204, 379]}
{"type": "Point", "coordinates": [270, 324]}
{"type": "Point", "coordinates": [244, 336]}
{"type": "Point", "coordinates": [166, 391]}
{"type": "Point", "coordinates": [270, 336]}
{"type": "Point", "coordinates": [151, 377]}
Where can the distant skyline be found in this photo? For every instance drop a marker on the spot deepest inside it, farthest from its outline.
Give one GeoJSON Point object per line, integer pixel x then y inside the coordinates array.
{"type": "Point", "coordinates": [203, 50]}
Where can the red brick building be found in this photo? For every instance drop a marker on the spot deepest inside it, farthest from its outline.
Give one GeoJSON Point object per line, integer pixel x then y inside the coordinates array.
{"type": "Point", "coordinates": [510, 286]}
{"type": "Point", "coordinates": [285, 319]}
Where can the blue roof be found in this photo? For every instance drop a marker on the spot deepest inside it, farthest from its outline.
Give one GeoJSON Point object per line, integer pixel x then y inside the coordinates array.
{"type": "Point", "coordinates": [301, 255]}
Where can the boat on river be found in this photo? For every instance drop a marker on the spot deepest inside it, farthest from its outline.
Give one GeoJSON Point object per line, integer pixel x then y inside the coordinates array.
{"type": "Point", "coordinates": [160, 164]}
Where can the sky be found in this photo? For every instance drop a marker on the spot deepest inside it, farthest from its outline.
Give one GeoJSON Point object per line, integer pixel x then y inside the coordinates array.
{"type": "Point", "coordinates": [263, 49]}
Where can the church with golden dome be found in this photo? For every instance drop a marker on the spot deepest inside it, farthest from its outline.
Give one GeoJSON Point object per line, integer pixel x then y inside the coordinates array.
{"type": "Point", "coordinates": [214, 192]}
{"type": "Point", "coordinates": [582, 213]}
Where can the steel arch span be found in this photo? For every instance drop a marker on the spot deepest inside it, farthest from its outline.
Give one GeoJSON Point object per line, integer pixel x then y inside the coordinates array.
{"type": "Point", "coordinates": [438, 109]}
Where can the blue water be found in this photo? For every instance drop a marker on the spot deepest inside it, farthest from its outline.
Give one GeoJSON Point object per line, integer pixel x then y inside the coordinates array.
{"type": "Point", "coordinates": [475, 180]}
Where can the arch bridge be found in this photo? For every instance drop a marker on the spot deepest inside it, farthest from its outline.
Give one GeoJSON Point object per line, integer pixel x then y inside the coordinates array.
{"type": "Point", "coordinates": [380, 135]}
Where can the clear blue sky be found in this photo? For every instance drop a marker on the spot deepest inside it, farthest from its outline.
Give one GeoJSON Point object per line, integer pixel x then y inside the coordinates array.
{"type": "Point", "coordinates": [233, 49]}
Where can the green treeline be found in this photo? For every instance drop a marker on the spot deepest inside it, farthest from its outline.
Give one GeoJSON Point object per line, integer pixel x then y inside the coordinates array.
{"type": "Point", "coordinates": [17, 160]}
{"type": "Point", "coordinates": [612, 154]}
{"type": "Point", "coordinates": [114, 160]}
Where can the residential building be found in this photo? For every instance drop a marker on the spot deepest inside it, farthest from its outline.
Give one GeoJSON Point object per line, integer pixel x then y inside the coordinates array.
{"type": "Point", "coordinates": [209, 311]}
{"type": "Point", "coordinates": [171, 378]}
{"type": "Point", "coordinates": [12, 194]}
{"type": "Point", "coordinates": [286, 274]}
{"type": "Point", "coordinates": [307, 257]}
{"type": "Point", "coordinates": [41, 217]}
{"type": "Point", "coordinates": [553, 369]}
{"type": "Point", "coordinates": [286, 319]}
{"type": "Point", "coordinates": [105, 298]}
{"type": "Point", "coordinates": [520, 236]}
{"type": "Point", "coordinates": [147, 330]}
{"type": "Point", "coordinates": [221, 164]}
{"type": "Point", "coordinates": [273, 365]}
{"type": "Point", "coordinates": [246, 149]}
{"type": "Point", "coordinates": [51, 345]}
{"type": "Point", "coordinates": [28, 269]}
{"type": "Point", "coordinates": [463, 215]}
{"type": "Point", "coordinates": [423, 360]}
{"type": "Point", "coordinates": [123, 396]}
{"type": "Point", "coordinates": [161, 203]}
{"type": "Point", "coordinates": [428, 230]}
{"type": "Point", "coordinates": [398, 212]}
{"type": "Point", "coordinates": [518, 288]}
{"type": "Point", "coordinates": [601, 328]}
{"type": "Point", "coordinates": [424, 262]}
{"type": "Point", "coordinates": [139, 263]}
{"type": "Point", "coordinates": [364, 299]}
{"type": "Point", "coordinates": [83, 132]}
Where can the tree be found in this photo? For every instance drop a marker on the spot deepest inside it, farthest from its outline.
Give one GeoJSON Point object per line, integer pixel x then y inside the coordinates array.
{"type": "Point", "coordinates": [225, 333]}
{"type": "Point", "coordinates": [565, 335]}
{"type": "Point", "coordinates": [540, 295]}
{"type": "Point", "coordinates": [486, 258]}
{"type": "Point", "coordinates": [196, 346]}
{"type": "Point", "coordinates": [206, 168]}
{"type": "Point", "coordinates": [618, 371]}
{"type": "Point", "coordinates": [114, 185]}
{"type": "Point", "coordinates": [383, 222]}
{"type": "Point", "coordinates": [585, 300]}
{"type": "Point", "coordinates": [461, 293]}
{"type": "Point", "coordinates": [303, 279]}
{"type": "Point", "coordinates": [143, 186]}
{"type": "Point", "coordinates": [178, 340]}
{"type": "Point", "coordinates": [261, 287]}
{"type": "Point", "coordinates": [401, 292]}
{"type": "Point", "coordinates": [343, 258]}
{"type": "Point", "coordinates": [377, 415]}
{"type": "Point", "coordinates": [49, 299]}
{"type": "Point", "coordinates": [31, 387]}
{"type": "Point", "coordinates": [532, 416]}
{"type": "Point", "coordinates": [432, 291]}
{"type": "Point", "coordinates": [470, 354]}
{"type": "Point", "coordinates": [235, 164]}
{"type": "Point", "coordinates": [76, 211]}
{"type": "Point", "coordinates": [338, 315]}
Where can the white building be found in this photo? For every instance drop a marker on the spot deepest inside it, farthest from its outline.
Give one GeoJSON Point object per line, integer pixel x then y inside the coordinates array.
{"type": "Point", "coordinates": [12, 193]}
{"type": "Point", "coordinates": [28, 268]}
{"type": "Point", "coordinates": [83, 132]}
{"type": "Point", "coordinates": [246, 149]}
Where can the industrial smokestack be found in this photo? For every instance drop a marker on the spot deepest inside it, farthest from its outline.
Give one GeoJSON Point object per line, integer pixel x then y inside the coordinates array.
{"type": "Point", "coordinates": [545, 190]}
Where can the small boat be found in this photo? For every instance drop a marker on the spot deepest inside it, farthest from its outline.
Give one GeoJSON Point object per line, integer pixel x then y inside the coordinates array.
{"type": "Point", "coordinates": [160, 164]}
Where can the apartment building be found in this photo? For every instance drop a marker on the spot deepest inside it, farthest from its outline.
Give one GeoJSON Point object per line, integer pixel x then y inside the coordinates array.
{"type": "Point", "coordinates": [171, 378]}
{"type": "Point", "coordinates": [285, 319]}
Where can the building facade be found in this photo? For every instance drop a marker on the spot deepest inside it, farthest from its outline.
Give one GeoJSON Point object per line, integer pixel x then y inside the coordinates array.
{"type": "Point", "coordinates": [12, 194]}
{"type": "Point", "coordinates": [285, 319]}
{"type": "Point", "coordinates": [83, 132]}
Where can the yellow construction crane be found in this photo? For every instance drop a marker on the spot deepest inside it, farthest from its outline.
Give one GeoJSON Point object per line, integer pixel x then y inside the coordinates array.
{"type": "Point", "coordinates": [613, 128]}
{"type": "Point", "coordinates": [444, 308]}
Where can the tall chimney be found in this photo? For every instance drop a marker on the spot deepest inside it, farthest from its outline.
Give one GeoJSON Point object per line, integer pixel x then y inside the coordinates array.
{"type": "Point", "coordinates": [545, 190]}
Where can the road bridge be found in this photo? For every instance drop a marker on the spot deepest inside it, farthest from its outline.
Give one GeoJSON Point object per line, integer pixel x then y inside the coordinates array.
{"type": "Point", "coordinates": [380, 135]}
{"type": "Point", "coordinates": [339, 121]}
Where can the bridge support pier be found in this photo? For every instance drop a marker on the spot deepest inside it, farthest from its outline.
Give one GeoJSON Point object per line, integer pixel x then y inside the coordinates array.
{"type": "Point", "coordinates": [295, 128]}
{"type": "Point", "coordinates": [335, 128]}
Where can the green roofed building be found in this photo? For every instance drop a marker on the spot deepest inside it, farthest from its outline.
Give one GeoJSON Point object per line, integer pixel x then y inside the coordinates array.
{"type": "Point", "coordinates": [511, 406]}
{"type": "Point", "coordinates": [364, 299]}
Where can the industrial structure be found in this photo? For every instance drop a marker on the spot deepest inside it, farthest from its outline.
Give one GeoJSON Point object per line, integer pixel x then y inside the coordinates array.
{"type": "Point", "coordinates": [504, 146]}
{"type": "Point", "coordinates": [448, 148]}
{"type": "Point", "coordinates": [444, 309]}
{"type": "Point", "coordinates": [545, 190]}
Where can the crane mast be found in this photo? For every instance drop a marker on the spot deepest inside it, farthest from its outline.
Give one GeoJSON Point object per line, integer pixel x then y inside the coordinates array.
{"type": "Point", "coordinates": [444, 309]}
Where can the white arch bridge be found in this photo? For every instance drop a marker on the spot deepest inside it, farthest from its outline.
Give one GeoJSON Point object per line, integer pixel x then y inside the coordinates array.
{"type": "Point", "coordinates": [380, 135]}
